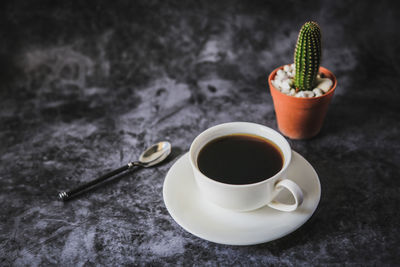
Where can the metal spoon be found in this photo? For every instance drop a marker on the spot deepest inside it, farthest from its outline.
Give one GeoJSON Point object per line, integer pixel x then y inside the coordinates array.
{"type": "Point", "coordinates": [150, 157]}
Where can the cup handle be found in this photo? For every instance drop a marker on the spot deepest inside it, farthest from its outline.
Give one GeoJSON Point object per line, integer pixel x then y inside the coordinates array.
{"type": "Point", "coordinates": [296, 192]}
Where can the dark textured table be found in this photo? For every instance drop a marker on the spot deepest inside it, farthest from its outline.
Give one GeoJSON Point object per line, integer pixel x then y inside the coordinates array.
{"type": "Point", "coordinates": [84, 88]}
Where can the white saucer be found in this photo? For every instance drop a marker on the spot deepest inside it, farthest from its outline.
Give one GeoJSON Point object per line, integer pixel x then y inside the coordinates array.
{"type": "Point", "coordinates": [210, 222]}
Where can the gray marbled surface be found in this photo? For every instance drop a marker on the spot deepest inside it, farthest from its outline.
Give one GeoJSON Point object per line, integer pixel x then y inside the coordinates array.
{"type": "Point", "coordinates": [85, 87]}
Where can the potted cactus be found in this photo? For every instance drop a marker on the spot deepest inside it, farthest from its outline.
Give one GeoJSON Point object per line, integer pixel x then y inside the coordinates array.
{"type": "Point", "coordinates": [302, 91]}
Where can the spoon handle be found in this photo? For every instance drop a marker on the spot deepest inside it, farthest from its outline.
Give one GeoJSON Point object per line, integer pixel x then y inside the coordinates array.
{"type": "Point", "coordinates": [65, 195]}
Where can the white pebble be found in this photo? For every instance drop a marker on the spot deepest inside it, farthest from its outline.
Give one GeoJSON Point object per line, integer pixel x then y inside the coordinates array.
{"type": "Point", "coordinates": [292, 66]}
{"type": "Point", "coordinates": [279, 78]}
{"type": "Point", "coordinates": [277, 84]}
{"type": "Point", "coordinates": [305, 94]}
{"type": "Point", "coordinates": [300, 94]}
{"type": "Point", "coordinates": [280, 73]}
{"type": "Point", "coordinates": [324, 84]}
{"type": "Point", "coordinates": [286, 68]}
{"type": "Point", "coordinates": [286, 90]}
{"type": "Point", "coordinates": [292, 92]}
{"type": "Point", "coordinates": [318, 92]}
{"type": "Point", "coordinates": [309, 93]}
{"type": "Point", "coordinates": [285, 85]}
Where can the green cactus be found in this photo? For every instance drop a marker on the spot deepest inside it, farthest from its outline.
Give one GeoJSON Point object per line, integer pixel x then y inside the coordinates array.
{"type": "Point", "coordinates": [307, 56]}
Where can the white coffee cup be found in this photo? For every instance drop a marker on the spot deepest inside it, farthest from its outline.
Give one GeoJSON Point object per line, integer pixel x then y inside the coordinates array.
{"type": "Point", "coordinates": [245, 197]}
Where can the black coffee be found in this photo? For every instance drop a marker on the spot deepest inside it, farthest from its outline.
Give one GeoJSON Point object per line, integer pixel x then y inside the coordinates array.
{"type": "Point", "coordinates": [240, 159]}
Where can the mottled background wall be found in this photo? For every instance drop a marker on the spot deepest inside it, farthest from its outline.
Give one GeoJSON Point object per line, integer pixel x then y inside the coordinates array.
{"type": "Point", "coordinates": [85, 87]}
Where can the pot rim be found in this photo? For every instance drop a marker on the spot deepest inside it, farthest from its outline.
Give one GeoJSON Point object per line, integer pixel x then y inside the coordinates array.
{"type": "Point", "coordinates": [321, 69]}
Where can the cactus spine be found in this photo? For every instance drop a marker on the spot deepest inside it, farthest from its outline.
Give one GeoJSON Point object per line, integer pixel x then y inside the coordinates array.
{"type": "Point", "coordinates": [307, 56]}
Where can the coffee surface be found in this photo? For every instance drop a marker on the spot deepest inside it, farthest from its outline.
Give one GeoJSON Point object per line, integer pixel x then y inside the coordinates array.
{"type": "Point", "coordinates": [240, 159]}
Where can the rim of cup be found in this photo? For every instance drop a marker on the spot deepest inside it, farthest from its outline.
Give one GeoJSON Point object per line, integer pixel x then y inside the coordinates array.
{"type": "Point", "coordinates": [286, 158]}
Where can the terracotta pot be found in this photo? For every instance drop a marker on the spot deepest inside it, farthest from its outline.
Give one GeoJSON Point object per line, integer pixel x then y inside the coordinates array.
{"type": "Point", "coordinates": [301, 118]}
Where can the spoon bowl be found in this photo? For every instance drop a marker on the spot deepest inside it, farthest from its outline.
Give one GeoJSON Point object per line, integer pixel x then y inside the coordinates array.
{"type": "Point", "coordinates": [155, 154]}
